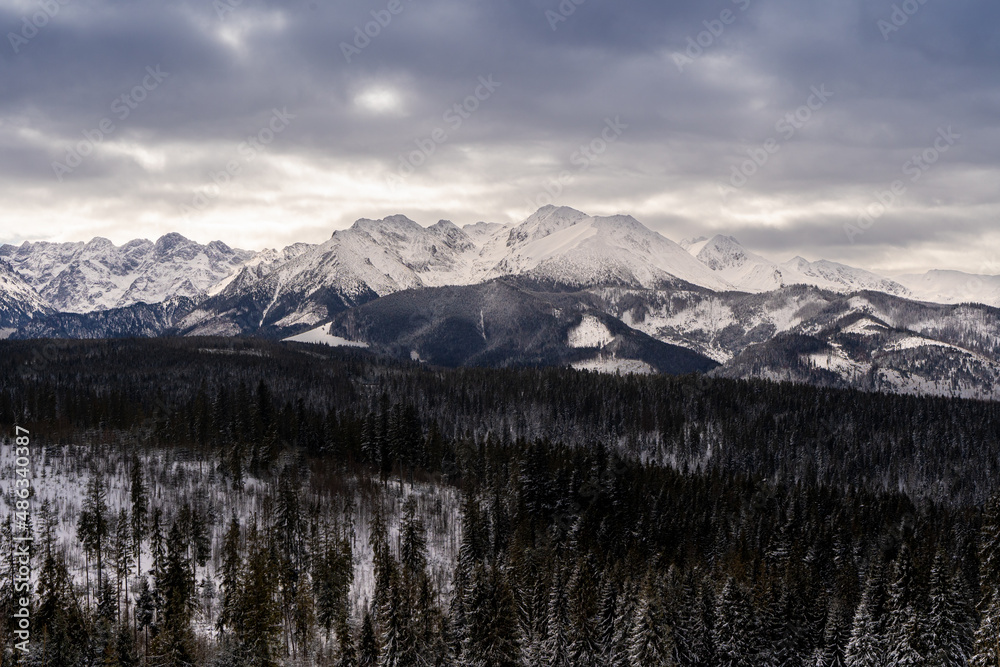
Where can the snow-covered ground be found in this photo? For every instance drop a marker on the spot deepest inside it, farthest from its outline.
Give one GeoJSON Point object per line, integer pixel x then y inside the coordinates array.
{"type": "Point", "coordinates": [591, 332]}
{"type": "Point", "coordinates": [322, 336]}
{"type": "Point", "coordinates": [615, 366]}
{"type": "Point", "coordinates": [62, 473]}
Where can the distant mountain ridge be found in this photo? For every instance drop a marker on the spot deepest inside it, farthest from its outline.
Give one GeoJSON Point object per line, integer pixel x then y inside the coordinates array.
{"type": "Point", "coordinates": [560, 288]}
{"type": "Point", "coordinates": [98, 275]}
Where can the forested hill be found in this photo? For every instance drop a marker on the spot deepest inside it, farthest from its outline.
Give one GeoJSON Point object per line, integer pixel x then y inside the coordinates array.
{"type": "Point", "coordinates": [221, 392]}
{"type": "Point", "coordinates": [226, 503]}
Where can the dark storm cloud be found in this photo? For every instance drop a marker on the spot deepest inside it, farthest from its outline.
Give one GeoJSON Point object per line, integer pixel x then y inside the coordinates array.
{"type": "Point", "coordinates": [693, 113]}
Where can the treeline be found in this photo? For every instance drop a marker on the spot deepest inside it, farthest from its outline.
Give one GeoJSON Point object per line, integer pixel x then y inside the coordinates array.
{"type": "Point", "coordinates": [246, 397]}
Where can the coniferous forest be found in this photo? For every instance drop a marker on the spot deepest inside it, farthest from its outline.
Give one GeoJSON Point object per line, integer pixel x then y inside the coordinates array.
{"type": "Point", "coordinates": [241, 502]}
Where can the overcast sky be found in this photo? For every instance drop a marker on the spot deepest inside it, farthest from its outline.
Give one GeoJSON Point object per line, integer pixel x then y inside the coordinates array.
{"type": "Point", "coordinates": [776, 121]}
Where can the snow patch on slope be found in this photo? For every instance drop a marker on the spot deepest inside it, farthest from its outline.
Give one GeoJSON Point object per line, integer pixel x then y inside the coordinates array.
{"type": "Point", "coordinates": [615, 366]}
{"type": "Point", "coordinates": [322, 336]}
{"type": "Point", "coordinates": [591, 332]}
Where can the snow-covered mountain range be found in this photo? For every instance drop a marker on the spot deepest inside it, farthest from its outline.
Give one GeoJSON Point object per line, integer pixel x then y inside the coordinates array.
{"type": "Point", "coordinates": [535, 292]}
{"type": "Point", "coordinates": [98, 275]}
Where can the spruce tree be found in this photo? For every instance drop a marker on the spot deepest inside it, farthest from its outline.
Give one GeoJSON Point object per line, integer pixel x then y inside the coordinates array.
{"type": "Point", "coordinates": [651, 641]}
{"type": "Point", "coordinates": [948, 638]}
{"type": "Point", "coordinates": [368, 653]}
{"type": "Point", "coordinates": [733, 638]}
{"type": "Point", "coordinates": [867, 646]}
{"type": "Point", "coordinates": [584, 638]}
{"type": "Point", "coordinates": [492, 639]}
{"type": "Point", "coordinates": [986, 651]}
{"type": "Point", "coordinates": [906, 642]}
{"type": "Point", "coordinates": [175, 643]}
{"type": "Point", "coordinates": [232, 575]}
{"type": "Point", "coordinates": [257, 615]}
{"type": "Point", "coordinates": [93, 526]}
{"type": "Point", "coordinates": [140, 509]}
{"type": "Point", "coordinates": [59, 627]}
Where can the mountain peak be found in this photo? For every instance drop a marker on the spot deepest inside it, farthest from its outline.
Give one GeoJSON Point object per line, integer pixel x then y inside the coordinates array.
{"type": "Point", "coordinates": [392, 223]}
{"type": "Point", "coordinates": [99, 243]}
{"type": "Point", "coordinates": [544, 221]}
{"type": "Point", "coordinates": [444, 226]}
{"type": "Point", "coordinates": [170, 241]}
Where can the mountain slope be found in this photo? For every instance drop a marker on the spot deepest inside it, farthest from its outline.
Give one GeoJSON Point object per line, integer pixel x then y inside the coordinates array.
{"type": "Point", "coordinates": [953, 287]}
{"type": "Point", "coordinates": [19, 303]}
{"type": "Point", "coordinates": [878, 342]}
{"type": "Point", "coordinates": [568, 247]}
{"type": "Point", "coordinates": [753, 273]}
{"type": "Point", "coordinates": [84, 277]}
{"type": "Point", "coordinates": [839, 277]}
{"type": "Point", "coordinates": [502, 324]}
{"type": "Point", "coordinates": [372, 258]}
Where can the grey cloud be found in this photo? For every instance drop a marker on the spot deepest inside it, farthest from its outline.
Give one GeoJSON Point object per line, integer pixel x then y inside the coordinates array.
{"type": "Point", "coordinates": [686, 129]}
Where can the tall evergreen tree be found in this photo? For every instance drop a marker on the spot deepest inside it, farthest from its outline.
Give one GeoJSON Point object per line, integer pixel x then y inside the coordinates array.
{"type": "Point", "coordinates": [868, 646]}
{"type": "Point", "coordinates": [93, 525]}
{"type": "Point", "coordinates": [733, 637]}
{"type": "Point", "coordinates": [368, 654]}
{"type": "Point", "coordinates": [175, 643]}
{"type": "Point", "coordinates": [139, 495]}
{"type": "Point", "coordinates": [651, 642]}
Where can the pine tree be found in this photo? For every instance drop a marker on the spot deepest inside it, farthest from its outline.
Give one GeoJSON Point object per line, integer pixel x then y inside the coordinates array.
{"type": "Point", "coordinates": [905, 648]}
{"type": "Point", "coordinates": [121, 554]}
{"type": "Point", "coordinates": [397, 645]}
{"type": "Point", "coordinates": [584, 639]}
{"type": "Point", "coordinates": [949, 637]}
{"type": "Point", "coordinates": [140, 509]}
{"type": "Point", "coordinates": [867, 645]}
{"type": "Point", "coordinates": [145, 608]}
{"type": "Point", "coordinates": [232, 575]}
{"type": "Point", "coordinates": [347, 656]}
{"type": "Point", "coordinates": [651, 642]}
{"type": "Point", "coordinates": [413, 551]}
{"type": "Point", "coordinates": [58, 621]}
{"type": "Point", "coordinates": [904, 624]}
{"type": "Point", "coordinates": [492, 631]}
{"type": "Point", "coordinates": [786, 622]}
{"type": "Point", "coordinates": [158, 556]}
{"type": "Point", "coordinates": [93, 526]}
{"type": "Point", "coordinates": [368, 654]}
{"type": "Point", "coordinates": [174, 644]}
{"type": "Point", "coordinates": [614, 651]}
{"type": "Point", "coordinates": [732, 632]}
{"type": "Point", "coordinates": [986, 652]}
{"type": "Point", "coordinates": [556, 646]}
{"type": "Point", "coordinates": [257, 616]}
